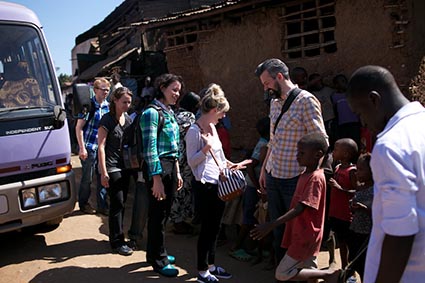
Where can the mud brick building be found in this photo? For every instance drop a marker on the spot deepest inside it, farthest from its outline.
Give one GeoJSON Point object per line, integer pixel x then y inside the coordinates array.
{"type": "Point", "coordinates": [223, 42]}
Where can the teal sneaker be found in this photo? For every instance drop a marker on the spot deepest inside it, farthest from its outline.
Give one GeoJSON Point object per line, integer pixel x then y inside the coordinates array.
{"type": "Point", "coordinates": [168, 271]}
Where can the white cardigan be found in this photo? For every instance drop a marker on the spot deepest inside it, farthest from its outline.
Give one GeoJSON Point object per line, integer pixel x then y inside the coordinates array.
{"type": "Point", "coordinates": [203, 166]}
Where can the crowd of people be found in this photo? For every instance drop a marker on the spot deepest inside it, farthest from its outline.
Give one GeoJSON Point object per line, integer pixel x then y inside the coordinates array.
{"type": "Point", "coordinates": [313, 180]}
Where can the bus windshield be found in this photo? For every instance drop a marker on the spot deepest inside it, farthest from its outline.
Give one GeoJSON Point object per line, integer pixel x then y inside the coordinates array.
{"type": "Point", "coordinates": [25, 77]}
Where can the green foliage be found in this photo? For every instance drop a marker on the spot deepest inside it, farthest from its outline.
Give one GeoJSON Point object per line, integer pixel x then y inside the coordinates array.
{"type": "Point", "coordinates": [63, 78]}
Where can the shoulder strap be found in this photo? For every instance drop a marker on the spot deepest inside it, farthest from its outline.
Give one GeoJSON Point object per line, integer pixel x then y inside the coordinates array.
{"type": "Point", "coordinates": [200, 129]}
{"type": "Point", "coordinates": [134, 131]}
{"type": "Point", "coordinates": [91, 114]}
{"type": "Point", "coordinates": [291, 97]}
{"type": "Point", "coordinates": [92, 111]}
{"type": "Point", "coordinates": [161, 119]}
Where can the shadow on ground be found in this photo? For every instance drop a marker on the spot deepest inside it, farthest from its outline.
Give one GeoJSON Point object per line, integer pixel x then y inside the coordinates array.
{"type": "Point", "coordinates": [126, 273]}
{"type": "Point", "coordinates": [21, 247]}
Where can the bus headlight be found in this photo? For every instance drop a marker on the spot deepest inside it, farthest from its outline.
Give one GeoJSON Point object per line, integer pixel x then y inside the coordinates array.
{"type": "Point", "coordinates": [29, 198]}
{"type": "Point", "coordinates": [44, 194]}
{"type": "Point", "coordinates": [51, 192]}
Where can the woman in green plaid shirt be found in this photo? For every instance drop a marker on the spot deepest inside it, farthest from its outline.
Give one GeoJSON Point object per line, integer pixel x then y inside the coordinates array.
{"type": "Point", "coordinates": [161, 152]}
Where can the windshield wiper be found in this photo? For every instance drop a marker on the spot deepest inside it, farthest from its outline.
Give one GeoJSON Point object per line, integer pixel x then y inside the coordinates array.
{"type": "Point", "coordinates": [8, 110]}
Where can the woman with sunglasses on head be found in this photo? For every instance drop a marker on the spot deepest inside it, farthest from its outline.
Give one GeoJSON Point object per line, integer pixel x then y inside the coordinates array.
{"type": "Point", "coordinates": [160, 133]}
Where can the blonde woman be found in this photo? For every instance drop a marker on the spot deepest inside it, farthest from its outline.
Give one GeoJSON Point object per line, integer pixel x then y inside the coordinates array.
{"type": "Point", "coordinates": [201, 140]}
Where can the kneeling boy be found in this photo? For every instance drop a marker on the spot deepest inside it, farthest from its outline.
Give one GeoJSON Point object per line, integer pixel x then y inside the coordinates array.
{"type": "Point", "coordinates": [305, 218]}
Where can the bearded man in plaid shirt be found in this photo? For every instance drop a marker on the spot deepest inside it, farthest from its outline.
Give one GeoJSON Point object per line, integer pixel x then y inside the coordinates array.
{"type": "Point", "coordinates": [280, 171]}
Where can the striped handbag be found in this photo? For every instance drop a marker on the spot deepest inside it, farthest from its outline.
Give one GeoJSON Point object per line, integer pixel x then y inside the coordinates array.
{"type": "Point", "coordinates": [231, 183]}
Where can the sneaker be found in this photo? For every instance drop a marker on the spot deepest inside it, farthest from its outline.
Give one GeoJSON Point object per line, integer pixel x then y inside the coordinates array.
{"type": "Point", "coordinates": [171, 259]}
{"type": "Point", "coordinates": [168, 271]}
{"type": "Point", "coordinates": [220, 272]}
{"type": "Point", "coordinates": [123, 250]}
{"type": "Point", "coordinates": [87, 209]}
{"type": "Point", "coordinates": [135, 241]}
{"type": "Point", "coordinates": [132, 244]}
{"type": "Point", "coordinates": [103, 211]}
{"type": "Point", "coordinates": [208, 279]}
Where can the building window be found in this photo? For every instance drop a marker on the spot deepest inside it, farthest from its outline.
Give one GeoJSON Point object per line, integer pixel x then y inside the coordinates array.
{"type": "Point", "coordinates": [188, 35]}
{"type": "Point", "coordinates": [309, 29]}
{"type": "Point", "coordinates": [182, 36]}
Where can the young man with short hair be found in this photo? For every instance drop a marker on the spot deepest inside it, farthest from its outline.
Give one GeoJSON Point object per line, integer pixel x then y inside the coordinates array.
{"type": "Point", "coordinates": [396, 251]}
{"type": "Point", "coordinates": [86, 132]}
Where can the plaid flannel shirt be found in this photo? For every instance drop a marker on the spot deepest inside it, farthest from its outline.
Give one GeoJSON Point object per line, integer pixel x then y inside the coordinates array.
{"type": "Point", "coordinates": [155, 146]}
{"type": "Point", "coordinates": [91, 127]}
{"type": "Point", "coordinates": [303, 117]}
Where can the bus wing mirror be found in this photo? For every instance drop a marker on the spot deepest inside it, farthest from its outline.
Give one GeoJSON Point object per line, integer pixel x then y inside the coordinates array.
{"type": "Point", "coordinates": [60, 117]}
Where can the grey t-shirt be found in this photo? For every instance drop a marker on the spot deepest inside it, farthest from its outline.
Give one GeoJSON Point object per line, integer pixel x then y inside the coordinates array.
{"type": "Point", "coordinates": [114, 136]}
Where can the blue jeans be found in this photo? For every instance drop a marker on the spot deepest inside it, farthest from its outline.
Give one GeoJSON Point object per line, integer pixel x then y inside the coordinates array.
{"type": "Point", "coordinates": [88, 168]}
{"type": "Point", "coordinates": [279, 196]}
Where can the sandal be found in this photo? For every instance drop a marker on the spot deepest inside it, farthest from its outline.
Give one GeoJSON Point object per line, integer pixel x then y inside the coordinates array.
{"type": "Point", "coordinates": [240, 255]}
{"type": "Point", "coordinates": [256, 252]}
{"type": "Point", "coordinates": [342, 277]}
{"type": "Point", "coordinates": [256, 260]}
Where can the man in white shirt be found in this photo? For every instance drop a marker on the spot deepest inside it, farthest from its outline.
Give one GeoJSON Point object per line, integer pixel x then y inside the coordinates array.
{"type": "Point", "coordinates": [396, 251]}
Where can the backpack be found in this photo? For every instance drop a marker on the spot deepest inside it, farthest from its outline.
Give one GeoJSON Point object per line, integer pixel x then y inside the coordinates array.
{"type": "Point", "coordinates": [132, 145]}
{"type": "Point", "coordinates": [91, 115]}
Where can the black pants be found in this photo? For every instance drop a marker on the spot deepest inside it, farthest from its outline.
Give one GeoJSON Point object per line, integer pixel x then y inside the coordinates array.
{"type": "Point", "coordinates": [159, 211]}
{"type": "Point", "coordinates": [211, 211]}
{"type": "Point", "coordinates": [118, 189]}
{"type": "Point", "coordinates": [355, 244]}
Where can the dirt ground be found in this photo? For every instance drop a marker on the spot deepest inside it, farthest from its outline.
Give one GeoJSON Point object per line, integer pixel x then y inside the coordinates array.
{"type": "Point", "coordinates": [78, 251]}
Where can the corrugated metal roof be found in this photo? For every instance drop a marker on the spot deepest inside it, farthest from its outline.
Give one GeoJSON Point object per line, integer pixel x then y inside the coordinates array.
{"type": "Point", "coordinates": [195, 12]}
{"type": "Point", "coordinates": [201, 10]}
